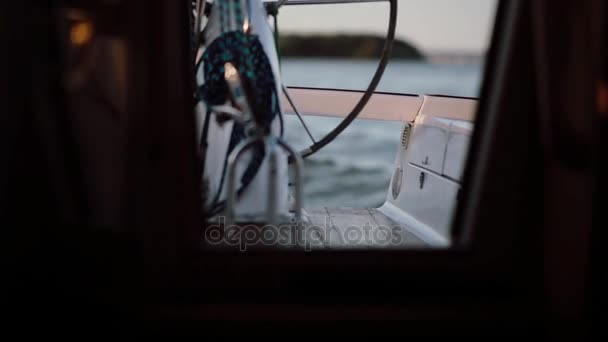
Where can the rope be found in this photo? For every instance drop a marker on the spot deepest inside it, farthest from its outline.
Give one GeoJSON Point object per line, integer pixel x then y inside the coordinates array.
{"type": "Point", "coordinates": [247, 54]}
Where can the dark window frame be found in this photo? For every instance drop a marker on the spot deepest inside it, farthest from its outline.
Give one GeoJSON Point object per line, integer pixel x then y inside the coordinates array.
{"type": "Point", "coordinates": [481, 266]}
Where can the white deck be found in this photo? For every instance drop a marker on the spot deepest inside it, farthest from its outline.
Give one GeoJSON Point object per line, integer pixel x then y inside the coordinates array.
{"type": "Point", "coordinates": [326, 228]}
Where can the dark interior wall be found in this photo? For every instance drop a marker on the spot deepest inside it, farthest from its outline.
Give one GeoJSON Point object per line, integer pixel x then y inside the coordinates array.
{"type": "Point", "coordinates": [60, 175]}
{"type": "Point", "coordinates": [598, 280]}
{"type": "Point", "coordinates": [567, 47]}
{"type": "Point", "coordinates": [67, 118]}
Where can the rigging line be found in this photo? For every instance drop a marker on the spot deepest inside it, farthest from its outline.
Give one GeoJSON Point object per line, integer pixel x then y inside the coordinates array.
{"type": "Point", "coordinates": [292, 104]}
{"type": "Point", "coordinates": [274, 13]}
{"type": "Point", "coordinates": [204, 143]}
{"type": "Point", "coordinates": [276, 36]}
{"type": "Point", "coordinates": [279, 113]}
{"type": "Point", "coordinates": [281, 3]}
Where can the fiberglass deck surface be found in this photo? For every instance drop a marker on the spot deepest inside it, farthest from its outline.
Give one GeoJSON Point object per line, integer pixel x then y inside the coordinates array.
{"type": "Point", "coordinates": [360, 228]}
{"type": "Point", "coordinates": [325, 228]}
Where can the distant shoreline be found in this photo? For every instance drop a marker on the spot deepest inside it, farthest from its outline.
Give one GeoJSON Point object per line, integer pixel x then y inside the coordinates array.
{"type": "Point", "coordinates": [350, 46]}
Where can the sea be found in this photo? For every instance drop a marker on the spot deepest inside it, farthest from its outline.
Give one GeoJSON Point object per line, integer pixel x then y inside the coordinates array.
{"type": "Point", "coordinates": [355, 169]}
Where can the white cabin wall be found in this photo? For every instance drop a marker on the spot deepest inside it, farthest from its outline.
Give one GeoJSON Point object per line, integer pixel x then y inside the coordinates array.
{"type": "Point", "coordinates": [428, 168]}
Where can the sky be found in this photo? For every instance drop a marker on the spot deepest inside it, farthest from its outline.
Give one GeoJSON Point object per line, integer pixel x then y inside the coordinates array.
{"type": "Point", "coordinates": [434, 26]}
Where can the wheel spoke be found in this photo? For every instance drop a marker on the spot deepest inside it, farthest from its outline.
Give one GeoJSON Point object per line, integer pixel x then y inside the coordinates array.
{"type": "Point", "coordinates": [292, 104]}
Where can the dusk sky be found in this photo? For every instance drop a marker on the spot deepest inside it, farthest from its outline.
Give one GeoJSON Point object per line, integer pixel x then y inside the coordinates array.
{"type": "Point", "coordinates": [431, 25]}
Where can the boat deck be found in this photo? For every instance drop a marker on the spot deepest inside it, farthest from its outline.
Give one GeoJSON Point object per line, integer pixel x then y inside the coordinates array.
{"type": "Point", "coordinates": [325, 228]}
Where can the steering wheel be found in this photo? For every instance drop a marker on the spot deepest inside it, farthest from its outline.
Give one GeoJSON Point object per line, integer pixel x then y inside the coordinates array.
{"type": "Point", "coordinates": [198, 9]}
{"type": "Point", "coordinates": [348, 119]}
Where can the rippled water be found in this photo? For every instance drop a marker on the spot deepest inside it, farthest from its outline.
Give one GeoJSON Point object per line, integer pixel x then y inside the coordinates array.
{"type": "Point", "coordinates": [355, 169]}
